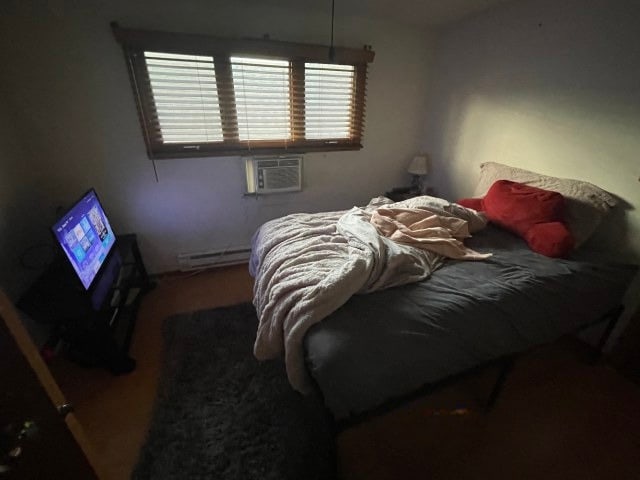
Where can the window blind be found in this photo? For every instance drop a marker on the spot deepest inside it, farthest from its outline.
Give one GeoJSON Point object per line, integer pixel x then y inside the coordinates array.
{"type": "Point", "coordinates": [329, 98]}
{"type": "Point", "coordinates": [262, 98]}
{"type": "Point", "coordinates": [185, 97]}
{"type": "Point", "coordinates": [201, 96]}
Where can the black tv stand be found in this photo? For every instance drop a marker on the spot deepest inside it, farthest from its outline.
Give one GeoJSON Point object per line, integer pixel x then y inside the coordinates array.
{"type": "Point", "coordinates": [95, 326]}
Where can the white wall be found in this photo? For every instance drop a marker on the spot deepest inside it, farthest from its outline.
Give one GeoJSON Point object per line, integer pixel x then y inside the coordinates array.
{"type": "Point", "coordinates": [20, 212]}
{"type": "Point", "coordinates": [548, 86]}
{"type": "Point", "coordinates": [69, 95]}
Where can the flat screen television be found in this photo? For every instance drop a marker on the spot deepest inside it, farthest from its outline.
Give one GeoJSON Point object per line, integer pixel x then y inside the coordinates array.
{"type": "Point", "coordinates": [85, 235]}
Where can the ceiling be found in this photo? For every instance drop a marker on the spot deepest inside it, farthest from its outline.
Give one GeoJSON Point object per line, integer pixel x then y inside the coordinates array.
{"type": "Point", "coordinates": [419, 13]}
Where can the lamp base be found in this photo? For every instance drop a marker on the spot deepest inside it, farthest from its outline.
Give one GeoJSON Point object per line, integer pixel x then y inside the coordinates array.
{"type": "Point", "coordinates": [417, 184]}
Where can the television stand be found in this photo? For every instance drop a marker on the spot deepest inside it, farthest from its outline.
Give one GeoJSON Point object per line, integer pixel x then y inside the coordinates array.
{"type": "Point", "coordinates": [95, 326]}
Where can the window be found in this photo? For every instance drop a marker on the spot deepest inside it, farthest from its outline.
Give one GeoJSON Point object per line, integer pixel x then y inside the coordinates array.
{"type": "Point", "coordinates": [261, 89]}
{"type": "Point", "coordinates": [185, 97]}
{"type": "Point", "coordinates": [202, 96]}
{"type": "Point", "coordinates": [328, 100]}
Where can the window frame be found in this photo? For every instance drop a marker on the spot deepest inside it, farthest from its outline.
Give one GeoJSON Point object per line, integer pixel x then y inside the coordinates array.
{"type": "Point", "coordinates": [136, 42]}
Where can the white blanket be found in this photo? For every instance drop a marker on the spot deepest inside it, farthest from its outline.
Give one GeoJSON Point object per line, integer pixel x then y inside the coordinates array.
{"type": "Point", "coordinates": [307, 265]}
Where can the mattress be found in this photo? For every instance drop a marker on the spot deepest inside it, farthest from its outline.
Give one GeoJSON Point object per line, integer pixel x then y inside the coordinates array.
{"type": "Point", "coordinates": [385, 345]}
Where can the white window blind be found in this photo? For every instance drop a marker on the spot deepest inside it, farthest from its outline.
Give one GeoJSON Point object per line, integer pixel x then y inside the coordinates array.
{"type": "Point", "coordinates": [262, 98]}
{"type": "Point", "coordinates": [185, 97]}
{"type": "Point", "coordinates": [329, 94]}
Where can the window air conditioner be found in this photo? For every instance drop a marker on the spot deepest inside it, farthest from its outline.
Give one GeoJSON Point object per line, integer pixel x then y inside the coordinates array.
{"type": "Point", "coordinates": [276, 174]}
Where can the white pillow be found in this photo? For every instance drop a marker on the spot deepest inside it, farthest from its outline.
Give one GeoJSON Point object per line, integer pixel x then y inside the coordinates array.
{"type": "Point", "coordinates": [586, 204]}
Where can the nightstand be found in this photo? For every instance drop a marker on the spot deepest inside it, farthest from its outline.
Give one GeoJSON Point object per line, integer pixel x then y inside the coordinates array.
{"type": "Point", "coordinates": [405, 193]}
{"type": "Point", "coordinates": [399, 196]}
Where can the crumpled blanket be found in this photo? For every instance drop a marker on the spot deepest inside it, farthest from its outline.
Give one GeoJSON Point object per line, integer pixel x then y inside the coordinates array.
{"type": "Point", "coordinates": [423, 229]}
{"type": "Point", "coordinates": [308, 265]}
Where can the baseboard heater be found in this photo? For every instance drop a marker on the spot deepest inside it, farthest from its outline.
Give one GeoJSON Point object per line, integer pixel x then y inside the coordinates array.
{"type": "Point", "coordinates": [213, 258]}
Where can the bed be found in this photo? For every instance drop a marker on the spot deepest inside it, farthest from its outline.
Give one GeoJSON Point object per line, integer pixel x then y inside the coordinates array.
{"type": "Point", "coordinates": [373, 348]}
{"type": "Point", "coordinates": [387, 344]}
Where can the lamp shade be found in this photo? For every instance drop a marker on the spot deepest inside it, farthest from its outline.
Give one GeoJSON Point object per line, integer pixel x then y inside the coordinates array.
{"type": "Point", "coordinates": [418, 165]}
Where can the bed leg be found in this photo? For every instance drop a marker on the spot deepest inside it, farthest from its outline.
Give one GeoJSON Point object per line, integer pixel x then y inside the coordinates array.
{"type": "Point", "coordinates": [505, 369]}
{"type": "Point", "coordinates": [614, 316]}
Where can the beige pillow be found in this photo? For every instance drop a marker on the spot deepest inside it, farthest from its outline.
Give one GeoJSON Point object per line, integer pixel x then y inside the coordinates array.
{"type": "Point", "coordinates": [586, 204]}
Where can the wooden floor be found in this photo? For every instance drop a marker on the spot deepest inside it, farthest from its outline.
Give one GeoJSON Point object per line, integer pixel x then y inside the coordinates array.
{"type": "Point", "coordinates": [558, 417]}
{"type": "Point", "coordinates": [115, 410]}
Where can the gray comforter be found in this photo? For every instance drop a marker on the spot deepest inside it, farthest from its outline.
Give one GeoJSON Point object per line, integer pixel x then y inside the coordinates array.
{"type": "Point", "coordinates": [387, 344]}
{"type": "Point", "coordinates": [307, 265]}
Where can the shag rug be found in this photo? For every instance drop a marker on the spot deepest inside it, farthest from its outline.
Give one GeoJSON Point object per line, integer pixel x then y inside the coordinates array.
{"type": "Point", "coordinates": [221, 414]}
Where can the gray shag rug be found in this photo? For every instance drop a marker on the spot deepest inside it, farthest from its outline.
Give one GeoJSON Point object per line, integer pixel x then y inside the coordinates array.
{"type": "Point", "coordinates": [221, 414]}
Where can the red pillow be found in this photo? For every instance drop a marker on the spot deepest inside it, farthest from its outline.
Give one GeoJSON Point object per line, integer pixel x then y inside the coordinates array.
{"type": "Point", "coordinates": [532, 213]}
{"type": "Point", "coordinates": [474, 203]}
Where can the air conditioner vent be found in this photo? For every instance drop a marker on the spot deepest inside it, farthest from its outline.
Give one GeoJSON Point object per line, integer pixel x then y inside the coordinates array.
{"type": "Point", "coordinates": [274, 174]}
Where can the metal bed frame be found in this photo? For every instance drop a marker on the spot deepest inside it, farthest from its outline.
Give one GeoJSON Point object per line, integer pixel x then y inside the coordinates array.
{"type": "Point", "coordinates": [505, 363]}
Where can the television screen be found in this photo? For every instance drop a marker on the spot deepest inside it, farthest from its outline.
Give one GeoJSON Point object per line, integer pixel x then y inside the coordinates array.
{"type": "Point", "coordinates": [85, 236]}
